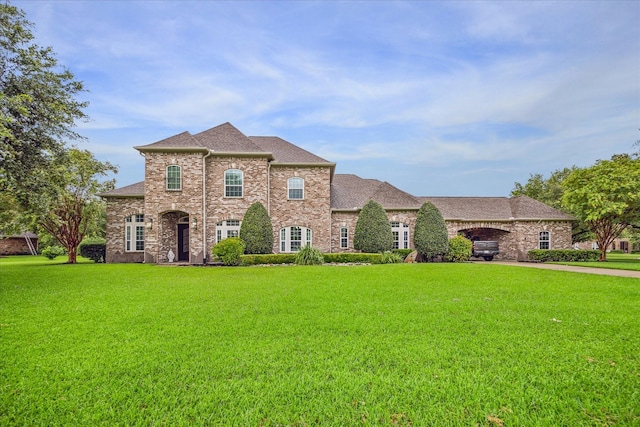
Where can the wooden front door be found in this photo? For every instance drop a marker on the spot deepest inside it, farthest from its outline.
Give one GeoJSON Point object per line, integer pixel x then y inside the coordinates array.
{"type": "Point", "coordinates": [183, 242]}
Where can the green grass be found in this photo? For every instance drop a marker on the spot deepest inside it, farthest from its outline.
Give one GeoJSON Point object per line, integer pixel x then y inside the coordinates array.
{"type": "Point", "coordinates": [614, 261]}
{"type": "Point", "coordinates": [399, 344]}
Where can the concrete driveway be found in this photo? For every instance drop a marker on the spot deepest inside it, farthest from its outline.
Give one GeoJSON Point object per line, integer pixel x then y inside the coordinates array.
{"type": "Point", "coordinates": [587, 270]}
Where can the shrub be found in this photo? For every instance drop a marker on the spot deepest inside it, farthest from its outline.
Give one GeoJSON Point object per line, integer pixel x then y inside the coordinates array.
{"type": "Point", "coordinates": [563, 255]}
{"type": "Point", "coordinates": [351, 257]}
{"type": "Point", "coordinates": [459, 249]}
{"type": "Point", "coordinates": [52, 252]}
{"type": "Point", "coordinates": [93, 249]}
{"type": "Point", "coordinates": [430, 237]}
{"type": "Point", "coordinates": [258, 259]}
{"type": "Point", "coordinates": [229, 251]}
{"type": "Point", "coordinates": [256, 230]}
{"type": "Point", "coordinates": [402, 252]}
{"type": "Point", "coordinates": [373, 229]}
{"type": "Point", "coordinates": [309, 256]}
{"type": "Point", "coordinates": [389, 257]}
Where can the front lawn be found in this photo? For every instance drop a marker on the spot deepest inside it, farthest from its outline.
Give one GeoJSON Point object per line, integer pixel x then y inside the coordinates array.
{"type": "Point", "coordinates": [401, 344]}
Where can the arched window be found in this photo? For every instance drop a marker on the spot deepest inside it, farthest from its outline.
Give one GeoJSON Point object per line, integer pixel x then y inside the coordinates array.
{"type": "Point", "coordinates": [296, 188]}
{"type": "Point", "coordinates": [174, 177]}
{"type": "Point", "coordinates": [228, 228]}
{"type": "Point", "coordinates": [400, 235]}
{"type": "Point", "coordinates": [134, 233]}
{"type": "Point", "coordinates": [292, 239]}
{"type": "Point", "coordinates": [233, 179]}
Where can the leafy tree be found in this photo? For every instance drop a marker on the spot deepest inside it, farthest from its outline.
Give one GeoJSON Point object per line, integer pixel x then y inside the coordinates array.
{"type": "Point", "coordinates": [430, 237]}
{"type": "Point", "coordinates": [549, 191]}
{"type": "Point", "coordinates": [373, 229]}
{"type": "Point", "coordinates": [606, 196]}
{"type": "Point", "coordinates": [38, 108]}
{"type": "Point", "coordinates": [256, 230]}
{"type": "Point", "coordinates": [70, 204]}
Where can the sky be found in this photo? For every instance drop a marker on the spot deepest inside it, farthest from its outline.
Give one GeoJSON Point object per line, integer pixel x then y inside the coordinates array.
{"type": "Point", "coordinates": [437, 98]}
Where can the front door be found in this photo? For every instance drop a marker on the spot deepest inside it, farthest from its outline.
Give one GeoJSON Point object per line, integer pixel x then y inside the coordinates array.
{"type": "Point", "coordinates": [183, 242]}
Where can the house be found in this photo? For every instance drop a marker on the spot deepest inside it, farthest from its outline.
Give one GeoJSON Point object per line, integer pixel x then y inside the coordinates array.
{"type": "Point", "coordinates": [19, 244]}
{"type": "Point", "coordinates": [198, 187]}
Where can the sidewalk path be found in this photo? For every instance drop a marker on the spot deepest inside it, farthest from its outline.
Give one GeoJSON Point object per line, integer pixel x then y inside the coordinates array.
{"type": "Point", "coordinates": [588, 270]}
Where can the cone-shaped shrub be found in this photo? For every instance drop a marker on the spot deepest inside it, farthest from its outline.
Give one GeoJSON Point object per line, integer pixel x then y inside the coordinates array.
{"type": "Point", "coordinates": [430, 237]}
{"type": "Point", "coordinates": [256, 231]}
{"type": "Point", "coordinates": [373, 229]}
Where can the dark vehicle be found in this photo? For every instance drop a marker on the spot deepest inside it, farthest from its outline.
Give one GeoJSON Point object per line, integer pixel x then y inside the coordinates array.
{"type": "Point", "coordinates": [486, 249]}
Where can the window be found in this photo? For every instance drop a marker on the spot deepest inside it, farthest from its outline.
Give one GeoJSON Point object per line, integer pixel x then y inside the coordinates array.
{"type": "Point", "coordinates": [134, 233]}
{"type": "Point", "coordinates": [296, 188]}
{"type": "Point", "coordinates": [233, 183]}
{"type": "Point", "coordinates": [228, 228]}
{"type": "Point", "coordinates": [544, 241]}
{"type": "Point", "coordinates": [400, 233]}
{"type": "Point", "coordinates": [344, 238]}
{"type": "Point", "coordinates": [292, 239]}
{"type": "Point", "coordinates": [174, 178]}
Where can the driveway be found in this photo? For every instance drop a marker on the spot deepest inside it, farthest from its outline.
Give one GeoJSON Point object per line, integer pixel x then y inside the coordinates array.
{"type": "Point", "coordinates": [588, 270]}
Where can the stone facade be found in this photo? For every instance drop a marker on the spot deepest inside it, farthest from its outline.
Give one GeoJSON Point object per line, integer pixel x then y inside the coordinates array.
{"type": "Point", "coordinates": [117, 210]}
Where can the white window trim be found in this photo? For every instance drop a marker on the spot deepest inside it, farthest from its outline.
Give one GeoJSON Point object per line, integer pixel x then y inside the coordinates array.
{"type": "Point", "coordinates": [344, 238]}
{"type": "Point", "coordinates": [547, 240]}
{"type": "Point", "coordinates": [401, 235]}
{"type": "Point", "coordinates": [229, 185]}
{"type": "Point", "coordinates": [285, 238]}
{"type": "Point", "coordinates": [227, 228]}
{"type": "Point", "coordinates": [134, 224]}
{"type": "Point", "coordinates": [289, 187]}
{"type": "Point", "coordinates": [179, 178]}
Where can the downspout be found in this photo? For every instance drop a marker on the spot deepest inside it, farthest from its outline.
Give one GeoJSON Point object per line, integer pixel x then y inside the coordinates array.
{"type": "Point", "coordinates": [144, 211]}
{"type": "Point", "coordinates": [204, 207]}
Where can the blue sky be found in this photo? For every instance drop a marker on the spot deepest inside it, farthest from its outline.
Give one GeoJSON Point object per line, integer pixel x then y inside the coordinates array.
{"type": "Point", "coordinates": [437, 98]}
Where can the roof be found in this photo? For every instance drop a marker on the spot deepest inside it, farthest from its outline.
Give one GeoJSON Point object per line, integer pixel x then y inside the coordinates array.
{"type": "Point", "coordinates": [284, 151]}
{"type": "Point", "coordinates": [494, 209]}
{"type": "Point", "coordinates": [349, 192]}
{"type": "Point", "coordinates": [133, 190]}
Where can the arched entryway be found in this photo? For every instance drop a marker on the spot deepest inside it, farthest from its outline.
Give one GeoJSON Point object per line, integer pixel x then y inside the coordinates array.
{"type": "Point", "coordinates": [174, 237]}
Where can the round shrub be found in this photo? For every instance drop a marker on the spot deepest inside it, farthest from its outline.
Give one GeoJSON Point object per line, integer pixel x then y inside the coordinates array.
{"type": "Point", "coordinates": [309, 256]}
{"type": "Point", "coordinates": [52, 252]}
{"type": "Point", "coordinates": [459, 249]}
{"type": "Point", "coordinates": [229, 251]}
{"type": "Point", "coordinates": [373, 229]}
{"type": "Point", "coordinates": [93, 248]}
{"type": "Point", "coordinates": [256, 230]}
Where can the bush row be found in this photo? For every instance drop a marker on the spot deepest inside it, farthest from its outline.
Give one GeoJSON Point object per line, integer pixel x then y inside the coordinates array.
{"type": "Point", "coordinates": [339, 258]}
{"type": "Point", "coordinates": [563, 255]}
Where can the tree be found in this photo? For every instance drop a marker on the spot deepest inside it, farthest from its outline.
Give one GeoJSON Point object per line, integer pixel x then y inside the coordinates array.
{"type": "Point", "coordinates": [69, 205]}
{"type": "Point", "coordinates": [606, 196]}
{"type": "Point", "coordinates": [256, 230]}
{"type": "Point", "coordinates": [38, 108]}
{"type": "Point", "coordinates": [430, 237]}
{"type": "Point", "coordinates": [549, 191]}
{"type": "Point", "coordinates": [373, 230]}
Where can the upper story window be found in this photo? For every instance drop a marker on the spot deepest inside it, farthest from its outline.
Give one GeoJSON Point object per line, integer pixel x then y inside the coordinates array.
{"type": "Point", "coordinates": [296, 188]}
{"type": "Point", "coordinates": [400, 235]}
{"type": "Point", "coordinates": [233, 179]}
{"type": "Point", "coordinates": [544, 240]}
{"type": "Point", "coordinates": [134, 233]}
{"type": "Point", "coordinates": [174, 177]}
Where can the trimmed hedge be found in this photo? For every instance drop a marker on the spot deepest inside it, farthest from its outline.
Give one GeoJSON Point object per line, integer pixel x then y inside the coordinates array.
{"type": "Point", "coordinates": [93, 251]}
{"type": "Point", "coordinates": [563, 255]}
{"type": "Point", "coordinates": [260, 259]}
{"type": "Point", "coordinates": [353, 257]}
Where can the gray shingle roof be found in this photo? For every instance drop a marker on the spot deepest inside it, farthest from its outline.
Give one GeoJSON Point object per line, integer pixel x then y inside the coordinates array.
{"type": "Point", "coordinates": [133, 190]}
{"type": "Point", "coordinates": [284, 151]}
{"type": "Point", "coordinates": [352, 192]}
{"type": "Point", "coordinates": [227, 138]}
{"type": "Point", "coordinates": [184, 139]}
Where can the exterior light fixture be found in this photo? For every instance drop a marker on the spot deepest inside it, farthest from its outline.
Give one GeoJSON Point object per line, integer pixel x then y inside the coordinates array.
{"type": "Point", "coordinates": [195, 223]}
{"type": "Point", "coordinates": [150, 224]}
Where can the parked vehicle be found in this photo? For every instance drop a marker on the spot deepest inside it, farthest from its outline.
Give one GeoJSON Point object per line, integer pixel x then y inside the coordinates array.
{"type": "Point", "coordinates": [486, 249]}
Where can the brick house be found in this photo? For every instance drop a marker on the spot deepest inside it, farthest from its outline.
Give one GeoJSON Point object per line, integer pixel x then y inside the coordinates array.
{"type": "Point", "coordinates": [198, 187]}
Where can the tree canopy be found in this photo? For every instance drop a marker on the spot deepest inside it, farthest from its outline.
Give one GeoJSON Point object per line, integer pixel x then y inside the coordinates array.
{"type": "Point", "coordinates": [373, 230]}
{"type": "Point", "coordinates": [38, 108]}
{"type": "Point", "coordinates": [606, 196]}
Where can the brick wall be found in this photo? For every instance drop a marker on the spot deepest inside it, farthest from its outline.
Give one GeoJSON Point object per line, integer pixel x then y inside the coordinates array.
{"type": "Point", "coordinates": [117, 210]}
